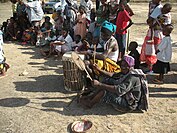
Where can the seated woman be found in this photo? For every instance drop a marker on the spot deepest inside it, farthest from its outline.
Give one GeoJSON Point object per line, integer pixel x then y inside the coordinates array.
{"type": "Point", "coordinates": [121, 90]}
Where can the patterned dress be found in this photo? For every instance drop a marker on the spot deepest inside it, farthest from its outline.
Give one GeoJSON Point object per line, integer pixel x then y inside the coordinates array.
{"type": "Point", "coordinates": [80, 28]}
{"type": "Point", "coordinates": [149, 47]}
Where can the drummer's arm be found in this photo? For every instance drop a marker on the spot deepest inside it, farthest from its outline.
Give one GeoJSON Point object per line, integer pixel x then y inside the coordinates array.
{"type": "Point", "coordinates": [97, 55]}
{"type": "Point", "coordinates": [105, 54]}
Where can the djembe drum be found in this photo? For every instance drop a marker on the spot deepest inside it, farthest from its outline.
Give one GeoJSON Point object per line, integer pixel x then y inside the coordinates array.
{"type": "Point", "coordinates": [74, 78]}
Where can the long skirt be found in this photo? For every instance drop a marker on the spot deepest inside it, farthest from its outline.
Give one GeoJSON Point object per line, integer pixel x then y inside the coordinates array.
{"type": "Point", "coordinates": [149, 47]}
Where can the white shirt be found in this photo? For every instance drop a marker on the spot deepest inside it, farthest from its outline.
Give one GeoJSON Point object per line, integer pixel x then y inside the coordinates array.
{"type": "Point", "coordinates": [35, 12]}
{"type": "Point", "coordinates": [166, 18]}
{"type": "Point", "coordinates": [165, 48]}
{"type": "Point", "coordinates": [113, 55]}
{"type": "Point", "coordinates": [68, 42]}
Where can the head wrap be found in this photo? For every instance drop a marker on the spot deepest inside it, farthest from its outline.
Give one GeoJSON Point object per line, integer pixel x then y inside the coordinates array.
{"type": "Point", "coordinates": [110, 26]}
{"type": "Point", "coordinates": [130, 60]}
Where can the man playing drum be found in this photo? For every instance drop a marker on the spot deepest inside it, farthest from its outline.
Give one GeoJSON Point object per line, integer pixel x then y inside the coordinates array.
{"type": "Point", "coordinates": [123, 90]}
{"type": "Point", "coordinates": [107, 60]}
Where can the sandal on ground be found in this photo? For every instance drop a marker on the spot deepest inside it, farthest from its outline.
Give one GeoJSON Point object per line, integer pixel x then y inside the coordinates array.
{"type": "Point", "coordinates": [157, 81]}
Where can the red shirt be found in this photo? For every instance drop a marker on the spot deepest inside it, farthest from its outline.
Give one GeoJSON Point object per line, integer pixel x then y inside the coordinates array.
{"type": "Point", "coordinates": [122, 21]}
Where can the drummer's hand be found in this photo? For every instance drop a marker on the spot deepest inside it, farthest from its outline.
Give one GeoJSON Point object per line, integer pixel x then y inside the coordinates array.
{"type": "Point", "coordinates": [86, 43]}
{"type": "Point", "coordinates": [95, 82]}
{"type": "Point", "coordinates": [96, 67]}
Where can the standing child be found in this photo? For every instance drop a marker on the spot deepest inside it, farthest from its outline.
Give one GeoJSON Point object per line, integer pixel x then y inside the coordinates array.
{"type": "Point", "coordinates": [164, 54]}
{"type": "Point", "coordinates": [80, 28]}
{"type": "Point", "coordinates": [134, 53]}
{"type": "Point", "coordinates": [123, 22]}
{"type": "Point", "coordinates": [59, 20]}
{"type": "Point", "coordinates": [113, 9]}
{"type": "Point", "coordinates": [153, 37]}
{"type": "Point", "coordinates": [103, 12]}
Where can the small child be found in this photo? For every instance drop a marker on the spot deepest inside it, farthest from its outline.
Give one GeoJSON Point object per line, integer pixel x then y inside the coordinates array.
{"type": "Point", "coordinates": [17, 32]}
{"type": "Point", "coordinates": [44, 34]}
{"type": "Point", "coordinates": [9, 36]}
{"type": "Point", "coordinates": [86, 42]}
{"type": "Point", "coordinates": [99, 47]}
{"type": "Point", "coordinates": [134, 53]}
{"type": "Point", "coordinates": [103, 12]}
{"type": "Point", "coordinates": [80, 27]}
{"type": "Point", "coordinates": [77, 42]}
{"type": "Point", "coordinates": [159, 20]}
{"type": "Point", "coordinates": [58, 21]}
{"type": "Point", "coordinates": [28, 36]}
{"type": "Point", "coordinates": [164, 54]}
{"type": "Point", "coordinates": [165, 17]}
{"type": "Point", "coordinates": [47, 20]}
{"type": "Point", "coordinates": [113, 9]}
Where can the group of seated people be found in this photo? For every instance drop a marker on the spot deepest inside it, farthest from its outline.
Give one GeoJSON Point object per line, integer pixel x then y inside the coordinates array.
{"type": "Point", "coordinates": [121, 86]}
{"type": "Point", "coordinates": [79, 22]}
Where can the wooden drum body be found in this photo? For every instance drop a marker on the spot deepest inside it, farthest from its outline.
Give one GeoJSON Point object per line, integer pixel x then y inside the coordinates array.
{"type": "Point", "coordinates": [74, 78]}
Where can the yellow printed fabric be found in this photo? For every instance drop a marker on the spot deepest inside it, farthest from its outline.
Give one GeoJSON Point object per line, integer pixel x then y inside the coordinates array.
{"type": "Point", "coordinates": [1, 66]}
{"type": "Point", "coordinates": [108, 65]}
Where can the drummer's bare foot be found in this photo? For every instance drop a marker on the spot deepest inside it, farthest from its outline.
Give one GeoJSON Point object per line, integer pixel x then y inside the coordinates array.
{"type": "Point", "coordinates": [48, 56]}
{"type": "Point", "coordinates": [2, 74]}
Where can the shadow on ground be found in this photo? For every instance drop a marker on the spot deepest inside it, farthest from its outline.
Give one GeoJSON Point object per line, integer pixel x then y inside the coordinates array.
{"type": "Point", "coordinates": [14, 102]}
{"type": "Point", "coordinates": [163, 92]}
{"type": "Point", "coordinates": [74, 109]}
{"type": "Point", "coordinates": [46, 83]}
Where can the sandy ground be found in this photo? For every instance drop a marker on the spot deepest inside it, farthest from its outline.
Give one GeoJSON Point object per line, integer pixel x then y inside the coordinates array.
{"type": "Point", "coordinates": [38, 102]}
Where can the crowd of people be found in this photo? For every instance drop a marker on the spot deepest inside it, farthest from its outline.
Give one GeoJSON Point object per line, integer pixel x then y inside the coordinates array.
{"type": "Point", "coordinates": [100, 34]}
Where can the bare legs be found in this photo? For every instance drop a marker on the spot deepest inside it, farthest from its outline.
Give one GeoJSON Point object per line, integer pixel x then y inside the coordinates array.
{"type": "Point", "coordinates": [90, 101]}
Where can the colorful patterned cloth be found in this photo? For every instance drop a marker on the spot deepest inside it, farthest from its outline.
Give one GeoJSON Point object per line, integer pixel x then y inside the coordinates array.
{"type": "Point", "coordinates": [107, 65]}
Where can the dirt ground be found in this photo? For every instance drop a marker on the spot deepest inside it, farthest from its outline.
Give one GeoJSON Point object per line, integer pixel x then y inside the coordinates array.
{"type": "Point", "coordinates": [38, 102]}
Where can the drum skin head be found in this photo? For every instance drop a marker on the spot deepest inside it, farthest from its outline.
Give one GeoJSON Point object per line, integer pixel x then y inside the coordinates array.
{"type": "Point", "coordinates": [78, 61]}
